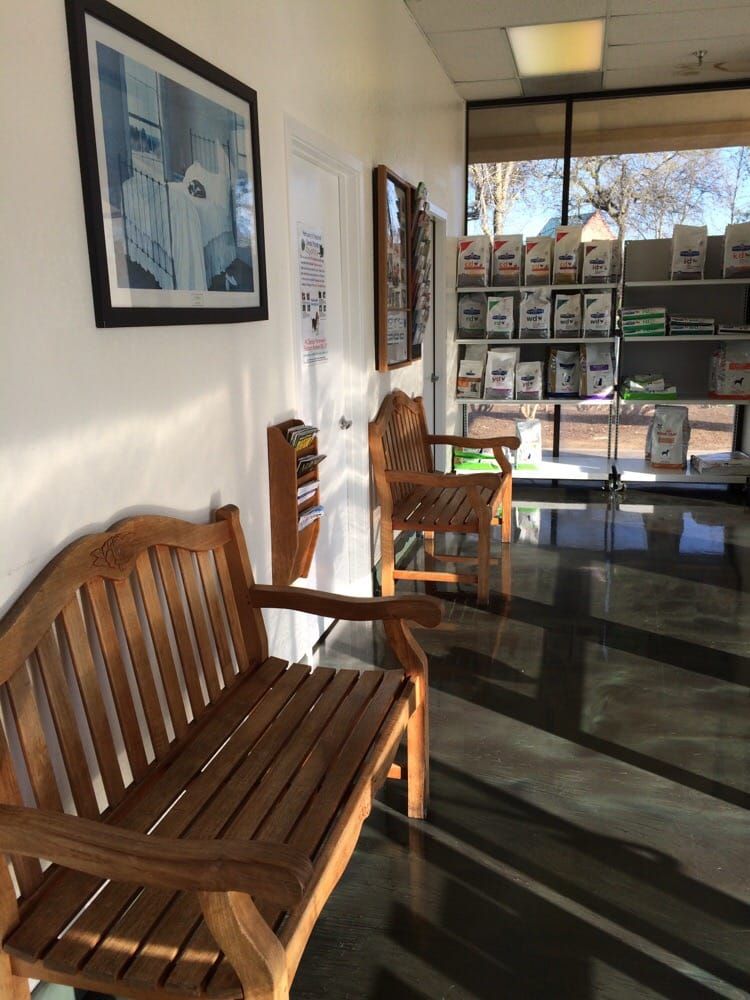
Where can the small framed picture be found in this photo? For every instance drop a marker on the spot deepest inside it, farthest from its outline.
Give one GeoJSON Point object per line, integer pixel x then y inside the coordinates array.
{"type": "Point", "coordinates": [392, 234]}
{"type": "Point", "coordinates": [170, 166]}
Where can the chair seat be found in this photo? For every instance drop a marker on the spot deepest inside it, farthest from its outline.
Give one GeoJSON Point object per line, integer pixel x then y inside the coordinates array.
{"type": "Point", "coordinates": [439, 509]}
{"type": "Point", "coordinates": [276, 763]}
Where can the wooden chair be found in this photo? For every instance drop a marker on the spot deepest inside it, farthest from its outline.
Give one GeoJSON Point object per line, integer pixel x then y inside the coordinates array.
{"type": "Point", "coordinates": [413, 497]}
{"type": "Point", "coordinates": [218, 792]}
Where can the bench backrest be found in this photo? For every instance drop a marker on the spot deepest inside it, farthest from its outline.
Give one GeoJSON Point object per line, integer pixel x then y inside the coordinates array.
{"type": "Point", "coordinates": [398, 442]}
{"type": "Point", "coordinates": [112, 654]}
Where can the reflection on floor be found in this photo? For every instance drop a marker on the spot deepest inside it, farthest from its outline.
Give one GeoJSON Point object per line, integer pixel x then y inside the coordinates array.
{"type": "Point", "coordinates": [589, 834]}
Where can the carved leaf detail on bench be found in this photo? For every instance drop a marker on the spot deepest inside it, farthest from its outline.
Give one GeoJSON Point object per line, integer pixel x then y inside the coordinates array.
{"type": "Point", "coordinates": [115, 553]}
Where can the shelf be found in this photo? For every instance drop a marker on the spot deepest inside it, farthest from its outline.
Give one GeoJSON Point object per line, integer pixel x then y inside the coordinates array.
{"type": "Point", "coordinates": [683, 338]}
{"type": "Point", "coordinates": [292, 548]}
{"type": "Point", "coordinates": [463, 289]}
{"type": "Point", "coordinates": [538, 402]}
{"type": "Point", "coordinates": [684, 400]}
{"type": "Point", "coordinates": [635, 470]}
{"type": "Point", "coordinates": [546, 341]}
{"type": "Point", "coordinates": [690, 282]}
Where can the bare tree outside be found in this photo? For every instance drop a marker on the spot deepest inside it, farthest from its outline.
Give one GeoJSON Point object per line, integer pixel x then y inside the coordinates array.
{"type": "Point", "coordinates": [645, 194]}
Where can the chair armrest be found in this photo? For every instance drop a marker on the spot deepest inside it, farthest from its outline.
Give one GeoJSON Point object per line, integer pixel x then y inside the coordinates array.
{"type": "Point", "coordinates": [423, 610]}
{"type": "Point", "coordinates": [270, 871]}
{"type": "Point", "coordinates": [482, 480]}
{"type": "Point", "coordinates": [468, 442]}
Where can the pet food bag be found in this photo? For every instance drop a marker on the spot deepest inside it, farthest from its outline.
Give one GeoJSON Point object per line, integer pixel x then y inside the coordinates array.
{"type": "Point", "coordinates": [668, 437]}
{"type": "Point", "coordinates": [730, 371]}
{"type": "Point", "coordinates": [597, 314]}
{"type": "Point", "coordinates": [563, 372]}
{"type": "Point", "coordinates": [534, 313]}
{"type": "Point", "coordinates": [473, 260]}
{"type": "Point", "coordinates": [567, 254]}
{"type": "Point", "coordinates": [538, 260]}
{"type": "Point", "coordinates": [500, 321]}
{"type": "Point", "coordinates": [529, 379]}
{"type": "Point", "coordinates": [469, 382]}
{"type": "Point", "coordinates": [568, 314]}
{"type": "Point", "coordinates": [601, 262]}
{"type": "Point", "coordinates": [529, 453]}
{"type": "Point", "coordinates": [737, 250]}
{"type": "Point", "coordinates": [688, 252]}
{"type": "Point", "coordinates": [500, 374]}
{"type": "Point", "coordinates": [507, 259]}
{"type": "Point", "coordinates": [472, 315]}
{"type": "Point", "coordinates": [597, 371]}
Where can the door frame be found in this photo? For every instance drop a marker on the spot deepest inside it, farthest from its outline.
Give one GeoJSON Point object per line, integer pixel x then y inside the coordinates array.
{"type": "Point", "coordinates": [317, 149]}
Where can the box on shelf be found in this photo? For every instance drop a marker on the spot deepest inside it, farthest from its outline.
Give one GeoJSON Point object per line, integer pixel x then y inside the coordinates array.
{"type": "Point", "coordinates": [535, 313]}
{"type": "Point", "coordinates": [597, 314]}
{"type": "Point", "coordinates": [567, 321]}
{"type": "Point", "coordinates": [473, 261]}
{"type": "Point", "coordinates": [692, 326]}
{"type": "Point", "coordinates": [602, 262]}
{"type": "Point", "coordinates": [567, 254]}
{"type": "Point", "coordinates": [728, 463]}
{"type": "Point", "coordinates": [729, 375]}
{"type": "Point", "coordinates": [647, 322]}
{"type": "Point", "coordinates": [507, 259]}
{"type": "Point", "coordinates": [538, 261]}
{"type": "Point", "coordinates": [668, 438]}
{"type": "Point", "coordinates": [649, 387]}
{"type": "Point", "coordinates": [688, 252]}
{"type": "Point", "coordinates": [474, 460]}
{"type": "Point", "coordinates": [500, 323]}
{"type": "Point", "coordinates": [736, 262]}
{"type": "Point", "coordinates": [472, 315]}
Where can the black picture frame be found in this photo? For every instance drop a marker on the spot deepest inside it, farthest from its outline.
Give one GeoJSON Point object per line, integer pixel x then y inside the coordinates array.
{"type": "Point", "coordinates": [149, 239]}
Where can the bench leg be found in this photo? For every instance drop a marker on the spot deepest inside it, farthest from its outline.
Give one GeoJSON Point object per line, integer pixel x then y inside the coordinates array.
{"type": "Point", "coordinates": [387, 561]}
{"type": "Point", "coordinates": [248, 942]}
{"type": "Point", "coordinates": [506, 525]}
{"type": "Point", "coordinates": [483, 570]}
{"type": "Point", "coordinates": [418, 762]}
{"type": "Point", "coordinates": [11, 987]}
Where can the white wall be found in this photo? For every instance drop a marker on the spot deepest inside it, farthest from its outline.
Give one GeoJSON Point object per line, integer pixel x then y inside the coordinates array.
{"type": "Point", "coordinates": [98, 423]}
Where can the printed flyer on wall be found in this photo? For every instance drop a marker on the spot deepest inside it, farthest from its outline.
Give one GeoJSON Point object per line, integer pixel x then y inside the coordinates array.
{"type": "Point", "coordinates": [312, 283]}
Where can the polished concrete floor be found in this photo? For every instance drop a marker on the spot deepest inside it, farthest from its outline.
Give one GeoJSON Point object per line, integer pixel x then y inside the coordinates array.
{"type": "Point", "coordinates": [589, 834]}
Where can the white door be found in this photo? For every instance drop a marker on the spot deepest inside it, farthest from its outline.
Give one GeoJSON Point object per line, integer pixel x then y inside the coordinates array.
{"type": "Point", "coordinates": [324, 205]}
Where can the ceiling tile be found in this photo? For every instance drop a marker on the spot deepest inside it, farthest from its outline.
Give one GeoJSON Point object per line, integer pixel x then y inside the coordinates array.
{"type": "Point", "coordinates": [695, 26]}
{"type": "Point", "coordinates": [468, 56]}
{"type": "Point", "coordinates": [659, 76]}
{"type": "Point", "coordinates": [486, 90]}
{"type": "Point", "coordinates": [458, 15]}
{"type": "Point", "coordinates": [669, 6]}
{"type": "Point", "coordinates": [668, 55]}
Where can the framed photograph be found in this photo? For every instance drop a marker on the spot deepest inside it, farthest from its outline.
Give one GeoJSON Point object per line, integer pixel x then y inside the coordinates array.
{"type": "Point", "coordinates": [170, 166]}
{"type": "Point", "coordinates": [392, 197]}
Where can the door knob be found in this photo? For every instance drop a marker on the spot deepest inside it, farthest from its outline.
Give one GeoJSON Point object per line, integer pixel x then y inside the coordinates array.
{"type": "Point", "coordinates": [345, 424]}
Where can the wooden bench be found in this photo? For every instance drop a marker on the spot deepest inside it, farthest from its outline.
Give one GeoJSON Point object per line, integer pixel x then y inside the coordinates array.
{"type": "Point", "coordinates": [218, 791]}
{"type": "Point", "coordinates": [413, 497]}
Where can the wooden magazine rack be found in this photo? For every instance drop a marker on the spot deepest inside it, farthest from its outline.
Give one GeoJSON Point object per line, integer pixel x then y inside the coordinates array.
{"type": "Point", "coordinates": [291, 549]}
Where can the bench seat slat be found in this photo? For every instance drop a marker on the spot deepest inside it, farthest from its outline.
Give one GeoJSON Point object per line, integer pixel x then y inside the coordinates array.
{"type": "Point", "coordinates": [336, 770]}
{"type": "Point", "coordinates": [125, 937]}
{"type": "Point", "coordinates": [166, 939]}
{"type": "Point", "coordinates": [68, 892]}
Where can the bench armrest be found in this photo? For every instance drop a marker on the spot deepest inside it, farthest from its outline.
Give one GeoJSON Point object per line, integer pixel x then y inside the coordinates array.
{"type": "Point", "coordinates": [270, 871]}
{"type": "Point", "coordinates": [423, 610]}
{"type": "Point", "coordinates": [483, 480]}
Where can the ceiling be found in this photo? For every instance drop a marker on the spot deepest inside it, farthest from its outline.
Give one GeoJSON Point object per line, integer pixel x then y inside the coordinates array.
{"type": "Point", "coordinates": [647, 42]}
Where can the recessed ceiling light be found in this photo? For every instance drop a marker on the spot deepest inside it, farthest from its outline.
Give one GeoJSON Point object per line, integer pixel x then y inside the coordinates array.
{"type": "Point", "coordinates": [556, 49]}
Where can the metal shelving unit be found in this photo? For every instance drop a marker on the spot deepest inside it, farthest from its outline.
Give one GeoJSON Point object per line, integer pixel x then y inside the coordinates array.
{"type": "Point", "coordinates": [549, 401]}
